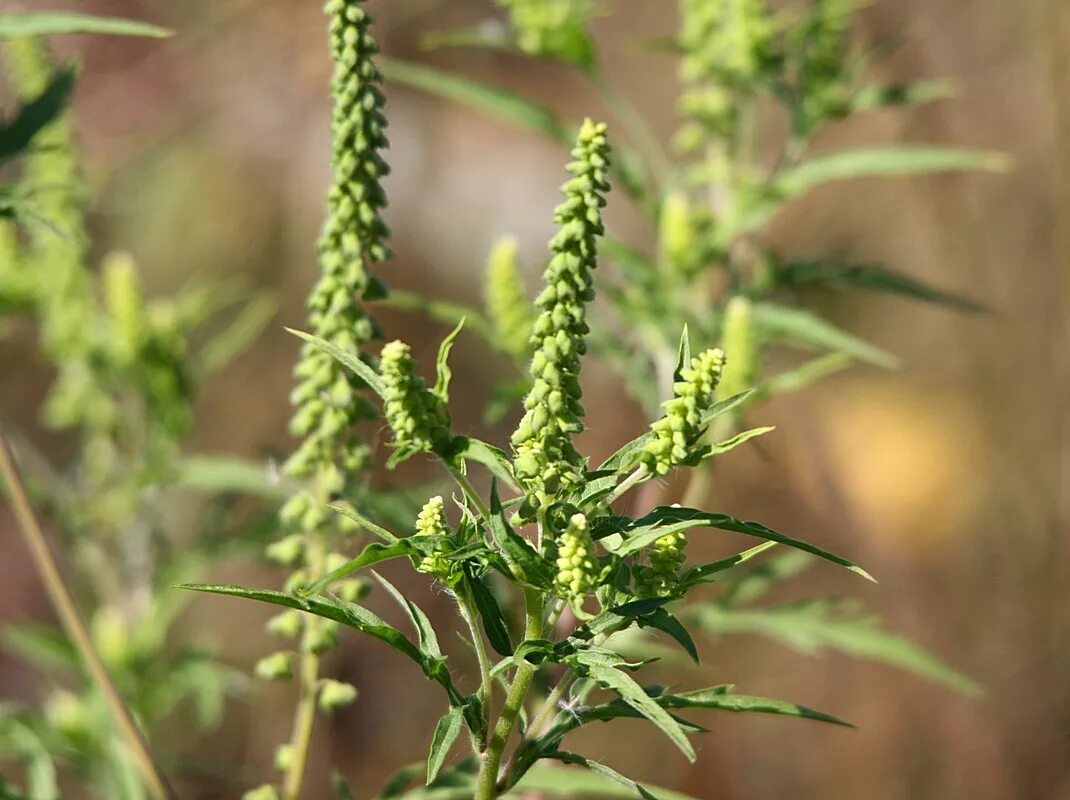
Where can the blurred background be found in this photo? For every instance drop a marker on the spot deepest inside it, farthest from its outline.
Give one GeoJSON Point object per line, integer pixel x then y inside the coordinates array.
{"type": "Point", "coordinates": [207, 157]}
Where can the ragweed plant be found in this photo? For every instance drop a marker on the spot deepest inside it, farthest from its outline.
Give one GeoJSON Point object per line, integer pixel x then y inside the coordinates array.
{"type": "Point", "coordinates": [579, 571]}
{"type": "Point", "coordinates": [745, 67]}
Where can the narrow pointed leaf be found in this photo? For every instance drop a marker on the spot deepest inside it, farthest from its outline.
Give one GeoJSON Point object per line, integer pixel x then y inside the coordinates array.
{"type": "Point", "coordinates": [372, 554]}
{"type": "Point", "coordinates": [16, 135]}
{"type": "Point", "coordinates": [804, 328]}
{"type": "Point", "coordinates": [17, 26]}
{"type": "Point", "coordinates": [490, 613]}
{"type": "Point", "coordinates": [444, 373]}
{"type": "Point", "coordinates": [424, 630]}
{"type": "Point", "coordinates": [442, 740]}
{"type": "Point", "coordinates": [533, 567]}
{"type": "Point", "coordinates": [350, 360]}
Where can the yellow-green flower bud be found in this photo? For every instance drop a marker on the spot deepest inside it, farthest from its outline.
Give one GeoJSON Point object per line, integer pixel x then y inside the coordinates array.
{"type": "Point", "coordinates": [111, 635]}
{"type": "Point", "coordinates": [67, 713]}
{"type": "Point", "coordinates": [547, 463]}
{"type": "Point", "coordinates": [576, 568]}
{"type": "Point", "coordinates": [287, 551]}
{"type": "Point", "coordinates": [124, 304]}
{"type": "Point", "coordinates": [415, 414]}
{"type": "Point", "coordinates": [284, 757]}
{"type": "Point", "coordinates": [275, 667]}
{"type": "Point", "coordinates": [322, 638]}
{"type": "Point", "coordinates": [506, 300]}
{"type": "Point", "coordinates": [676, 434]}
{"type": "Point", "coordinates": [288, 624]}
{"type": "Point", "coordinates": [336, 694]}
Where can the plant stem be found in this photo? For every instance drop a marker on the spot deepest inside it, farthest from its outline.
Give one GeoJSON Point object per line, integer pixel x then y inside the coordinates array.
{"type": "Point", "coordinates": [67, 611]}
{"type": "Point", "coordinates": [486, 682]}
{"type": "Point", "coordinates": [305, 715]}
{"type": "Point", "coordinates": [491, 759]}
{"type": "Point", "coordinates": [638, 476]}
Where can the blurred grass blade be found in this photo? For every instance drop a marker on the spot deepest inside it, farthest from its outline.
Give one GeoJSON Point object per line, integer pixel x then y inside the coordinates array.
{"type": "Point", "coordinates": [902, 94]}
{"type": "Point", "coordinates": [499, 103]}
{"type": "Point", "coordinates": [220, 474]}
{"type": "Point", "coordinates": [797, 327]}
{"type": "Point", "coordinates": [869, 277]}
{"type": "Point", "coordinates": [52, 23]}
{"type": "Point", "coordinates": [884, 162]}
{"type": "Point", "coordinates": [554, 781]}
{"type": "Point", "coordinates": [817, 625]}
{"type": "Point", "coordinates": [237, 337]}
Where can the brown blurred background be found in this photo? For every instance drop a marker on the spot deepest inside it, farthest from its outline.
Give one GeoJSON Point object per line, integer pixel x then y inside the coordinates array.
{"type": "Point", "coordinates": [947, 479]}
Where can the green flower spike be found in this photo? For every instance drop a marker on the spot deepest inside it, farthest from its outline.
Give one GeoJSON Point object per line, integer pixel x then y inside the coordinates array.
{"type": "Point", "coordinates": [328, 400]}
{"type": "Point", "coordinates": [676, 434]}
{"type": "Point", "coordinates": [507, 302]}
{"type": "Point", "coordinates": [415, 414]}
{"type": "Point", "coordinates": [727, 47]}
{"type": "Point", "coordinates": [546, 461]}
{"type": "Point", "coordinates": [576, 570]}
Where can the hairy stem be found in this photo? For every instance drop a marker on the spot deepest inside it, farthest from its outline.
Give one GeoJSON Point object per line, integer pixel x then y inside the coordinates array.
{"type": "Point", "coordinates": [486, 683]}
{"type": "Point", "coordinates": [491, 759]}
{"type": "Point", "coordinates": [305, 714]}
{"type": "Point", "coordinates": [67, 611]}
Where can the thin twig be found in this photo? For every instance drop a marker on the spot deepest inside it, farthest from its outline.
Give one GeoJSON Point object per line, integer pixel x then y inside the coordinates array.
{"type": "Point", "coordinates": [67, 611]}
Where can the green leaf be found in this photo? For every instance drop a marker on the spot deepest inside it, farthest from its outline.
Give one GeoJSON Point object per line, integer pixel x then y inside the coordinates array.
{"type": "Point", "coordinates": [350, 360]}
{"type": "Point", "coordinates": [817, 625]}
{"type": "Point", "coordinates": [607, 674]}
{"type": "Point", "coordinates": [445, 735]}
{"type": "Point", "coordinates": [372, 554]}
{"type": "Point", "coordinates": [805, 374]}
{"type": "Point", "coordinates": [664, 520]}
{"type": "Point", "coordinates": [720, 448]}
{"type": "Point", "coordinates": [491, 457]}
{"type": "Point", "coordinates": [534, 569]}
{"type": "Point", "coordinates": [879, 162]}
{"type": "Point", "coordinates": [349, 614]}
{"type": "Point", "coordinates": [219, 474]}
{"type": "Point", "coordinates": [902, 94]}
{"type": "Point", "coordinates": [490, 612]}
{"type": "Point", "coordinates": [700, 574]}
{"type": "Point", "coordinates": [424, 630]}
{"type": "Point", "coordinates": [606, 772]}
{"type": "Point", "coordinates": [869, 277]}
{"type": "Point", "coordinates": [18, 26]}
{"type": "Point", "coordinates": [44, 646]}
{"type": "Point", "coordinates": [364, 522]}
{"type": "Point", "coordinates": [669, 624]}
{"type": "Point", "coordinates": [800, 328]}
{"type": "Point", "coordinates": [444, 373]}
{"type": "Point", "coordinates": [683, 355]}
{"type": "Point", "coordinates": [16, 135]}
{"type": "Point", "coordinates": [553, 781]}
{"type": "Point", "coordinates": [505, 105]}
{"type": "Point", "coordinates": [721, 698]}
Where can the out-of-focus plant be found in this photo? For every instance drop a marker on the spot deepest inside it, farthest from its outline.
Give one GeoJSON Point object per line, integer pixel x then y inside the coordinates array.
{"type": "Point", "coordinates": [710, 195]}
{"type": "Point", "coordinates": [125, 370]}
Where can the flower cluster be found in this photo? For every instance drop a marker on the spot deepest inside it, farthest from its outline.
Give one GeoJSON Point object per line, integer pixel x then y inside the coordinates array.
{"type": "Point", "coordinates": [576, 569]}
{"type": "Point", "coordinates": [678, 430]}
{"type": "Point", "coordinates": [727, 47]}
{"type": "Point", "coordinates": [553, 28]}
{"type": "Point", "coordinates": [666, 557]}
{"type": "Point", "coordinates": [417, 416]}
{"type": "Point", "coordinates": [821, 43]}
{"type": "Point", "coordinates": [547, 463]}
{"type": "Point", "coordinates": [432, 522]}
